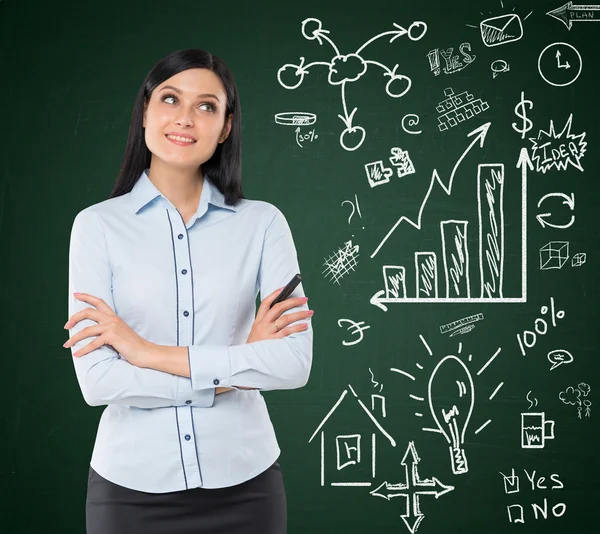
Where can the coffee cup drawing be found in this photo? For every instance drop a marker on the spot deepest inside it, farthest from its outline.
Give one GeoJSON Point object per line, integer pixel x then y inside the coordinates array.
{"type": "Point", "coordinates": [535, 430]}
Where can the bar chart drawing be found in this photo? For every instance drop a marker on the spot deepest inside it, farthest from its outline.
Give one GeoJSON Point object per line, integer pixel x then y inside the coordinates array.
{"type": "Point", "coordinates": [464, 280]}
{"type": "Point", "coordinates": [490, 195]}
{"type": "Point", "coordinates": [456, 258]}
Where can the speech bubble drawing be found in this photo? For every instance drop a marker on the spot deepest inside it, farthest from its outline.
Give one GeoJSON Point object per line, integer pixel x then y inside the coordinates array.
{"type": "Point", "coordinates": [558, 357]}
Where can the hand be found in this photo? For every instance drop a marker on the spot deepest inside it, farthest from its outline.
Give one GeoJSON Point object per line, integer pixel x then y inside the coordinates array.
{"type": "Point", "coordinates": [269, 322]}
{"type": "Point", "coordinates": [111, 329]}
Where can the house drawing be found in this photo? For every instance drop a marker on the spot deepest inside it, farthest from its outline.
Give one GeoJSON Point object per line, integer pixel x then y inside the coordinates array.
{"type": "Point", "coordinates": [352, 449]}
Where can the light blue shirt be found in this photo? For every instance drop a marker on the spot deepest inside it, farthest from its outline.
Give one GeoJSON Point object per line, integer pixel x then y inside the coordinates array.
{"type": "Point", "coordinates": [192, 285]}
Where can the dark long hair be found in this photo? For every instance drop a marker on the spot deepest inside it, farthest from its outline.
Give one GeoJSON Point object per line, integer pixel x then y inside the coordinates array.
{"type": "Point", "coordinates": [224, 168]}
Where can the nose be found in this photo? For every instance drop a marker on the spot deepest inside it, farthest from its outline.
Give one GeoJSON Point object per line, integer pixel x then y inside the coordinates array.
{"type": "Point", "coordinates": [184, 119]}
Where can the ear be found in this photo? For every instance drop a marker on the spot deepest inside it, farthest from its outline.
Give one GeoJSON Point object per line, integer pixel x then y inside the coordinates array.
{"type": "Point", "coordinates": [226, 129]}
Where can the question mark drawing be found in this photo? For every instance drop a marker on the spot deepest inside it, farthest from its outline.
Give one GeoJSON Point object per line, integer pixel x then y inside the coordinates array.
{"type": "Point", "coordinates": [353, 208]}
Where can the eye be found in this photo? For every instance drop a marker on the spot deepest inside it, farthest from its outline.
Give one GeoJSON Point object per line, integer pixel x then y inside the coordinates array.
{"type": "Point", "coordinates": [211, 107]}
{"type": "Point", "coordinates": [168, 95]}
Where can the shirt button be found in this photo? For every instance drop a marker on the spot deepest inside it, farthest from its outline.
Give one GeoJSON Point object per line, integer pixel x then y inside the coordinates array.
{"type": "Point", "coordinates": [216, 382]}
{"type": "Point", "coordinates": [186, 313]}
{"type": "Point", "coordinates": [188, 402]}
{"type": "Point", "coordinates": [187, 437]}
{"type": "Point", "coordinates": [180, 236]}
{"type": "Point", "coordinates": [183, 271]}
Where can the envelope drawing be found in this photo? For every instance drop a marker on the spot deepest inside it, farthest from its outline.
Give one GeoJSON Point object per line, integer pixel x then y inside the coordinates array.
{"type": "Point", "coordinates": [500, 30]}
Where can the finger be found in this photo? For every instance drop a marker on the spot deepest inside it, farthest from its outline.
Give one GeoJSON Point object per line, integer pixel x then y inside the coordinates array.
{"type": "Point", "coordinates": [95, 301]}
{"type": "Point", "coordinates": [286, 304]}
{"type": "Point", "coordinates": [289, 318]}
{"type": "Point", "coordinates": [86, 313]}
{"type": "Point", "coordinates": [89, 331]}
{"type": "Point", "coordinates": [284, 332]}
{"type": "Point", "coordinates": [89, 347]}
{"type": "Point", "coordinates": [266, 303]}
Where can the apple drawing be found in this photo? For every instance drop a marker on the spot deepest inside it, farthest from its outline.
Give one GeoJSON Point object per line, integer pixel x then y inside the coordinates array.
{"type": "Point", "coordinates": [351, 138]}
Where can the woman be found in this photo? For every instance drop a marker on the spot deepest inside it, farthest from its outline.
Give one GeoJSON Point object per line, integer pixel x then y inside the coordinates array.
{"type": "Point", "coordinates": [169, 268]}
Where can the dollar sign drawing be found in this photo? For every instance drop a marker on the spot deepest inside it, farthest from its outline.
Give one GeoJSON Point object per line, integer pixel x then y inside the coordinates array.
{"type": "Point", "coordinates": [522, 114]}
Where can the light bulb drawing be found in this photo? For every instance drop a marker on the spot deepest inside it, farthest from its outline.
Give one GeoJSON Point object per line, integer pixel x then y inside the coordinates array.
{"type": "Point", "coordinates": [452, 412]}
{"type": "Point", "coordinates": [451, 398]}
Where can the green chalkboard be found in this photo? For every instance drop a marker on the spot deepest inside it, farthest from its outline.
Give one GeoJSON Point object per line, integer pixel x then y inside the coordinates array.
{"type": "Point", "coordinates": [437, 163]}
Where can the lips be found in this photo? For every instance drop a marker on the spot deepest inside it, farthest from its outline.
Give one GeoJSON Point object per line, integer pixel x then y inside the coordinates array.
{"type": "Point", "coordinates": [178, 142]}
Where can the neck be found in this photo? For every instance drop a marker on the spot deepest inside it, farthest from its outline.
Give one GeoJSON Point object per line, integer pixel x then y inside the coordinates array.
{"type": "Point", "coordinates": [181, 186]}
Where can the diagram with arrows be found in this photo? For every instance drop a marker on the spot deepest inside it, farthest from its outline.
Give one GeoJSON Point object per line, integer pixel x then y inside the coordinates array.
{"type": "Point", "coordinates": [457, 234]}
{"type": "Point", "coordinates": [347, 68]}
{"type": "Point", "coordinates": [412, 489]}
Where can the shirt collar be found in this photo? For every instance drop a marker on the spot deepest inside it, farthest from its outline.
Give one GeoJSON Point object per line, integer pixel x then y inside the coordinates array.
{"type": "Point", "coordinates": [144, 192]}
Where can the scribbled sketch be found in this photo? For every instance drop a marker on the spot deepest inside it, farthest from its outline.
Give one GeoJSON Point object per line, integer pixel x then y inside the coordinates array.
{"type": "Point", "coordinates": [570, 152]}
{"type": "Point", "coordinates": [554, 255]}
{"type": "Point", "coordinates": [498, 67]}
{"type": "Point", "coordinates": [456, 258]}
{"type": "Point", "coordinates": [490, 204]}
{"type": "Point", "coordinates": [451, 413]}
{"type": "Point", "coordinates": [558, 510]}
{"type": "Point", "coordinates": [461, 326]}
{"type": "Point", "coordinates": [578, 259]}
{"type": "Point", "coordinates": [349, 448]}
{"type": "Point", "coordinates": [451, 420]}
{"type": "Point", "coordinates": [519, 516]}
{"type": "Point", "coordinates": [341, 262]}
{"type": "Point", "coordinates": [394, 278]}
{"type": "Point", "coordinates": [535, 430]}
{"type": "Point", "coordinates": [401, 160]}
{"type": "Point", "coordinates": [358, 330]}
{"type": "Point", "coordinates": [348, 68]}
{"type": "Point", "coordinates": [309, 136]}
{"type": "Point", "coordinates": [377, 173]}
{"type": "Point", "coordinates": [501, 29]}
{"type": "Point", "coordinates": [511, 482]}
{"type": "Point", "coordinates": [379, 397]}
{"type": "Point", "coordinates": [413, 120]}
{"type": "Point", "coordinates": [573, 395]}
{"type": "Point", "coordinates": [521, 112]}
{"type": "Point", "coordinates": [298, 118]}
{"type": "Point", "coordinates": [540, 326]}
{"type": "Point", "coordinates": [531, 403]}
{"type": "Point", "coordinates": [542, 483]}
{"type": "Point", "coordinates": [411, 489]}
{"type": "Point", "coordinates": [559, 357]}
{"type": "Point", "coordinates": [355, 208]}
{"type": "Point", "coordinates": [295, 118]}
{"type": "Point", "coordinates": [479, 137]}
{"type": "Point", "coordinates": [452, 61]}
{"type": "Point", "coordinates": [569, 13]}
{"type": "Point", "coordinates": [555, 71]}
{"type": "Point", "coordinates": [455, 109]}
{"type": "Point", "coordinates": [455, 252]}
{"type": "Point", "coordinates": [542, 218]}
{"type": "Point", "coordinates": [426, 274]}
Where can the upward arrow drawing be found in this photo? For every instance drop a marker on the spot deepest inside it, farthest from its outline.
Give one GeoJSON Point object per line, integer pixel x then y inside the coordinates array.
{"type": "Point", "coordinates": [569, 13]}
{"type": "Point", "coordinates": [480, 134]}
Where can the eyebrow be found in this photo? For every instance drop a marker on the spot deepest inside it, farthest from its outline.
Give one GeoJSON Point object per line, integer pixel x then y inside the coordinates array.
{"type": "Point", "coordinates": [203, 95]}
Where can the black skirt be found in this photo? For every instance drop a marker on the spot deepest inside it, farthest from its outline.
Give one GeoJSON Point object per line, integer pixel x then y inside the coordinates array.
{"type": "Point", "coordinates": [257, 506]}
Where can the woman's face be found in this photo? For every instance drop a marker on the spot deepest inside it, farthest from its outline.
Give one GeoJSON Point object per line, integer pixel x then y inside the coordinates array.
{"type": "Point", "coordinates": [192, 103]}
